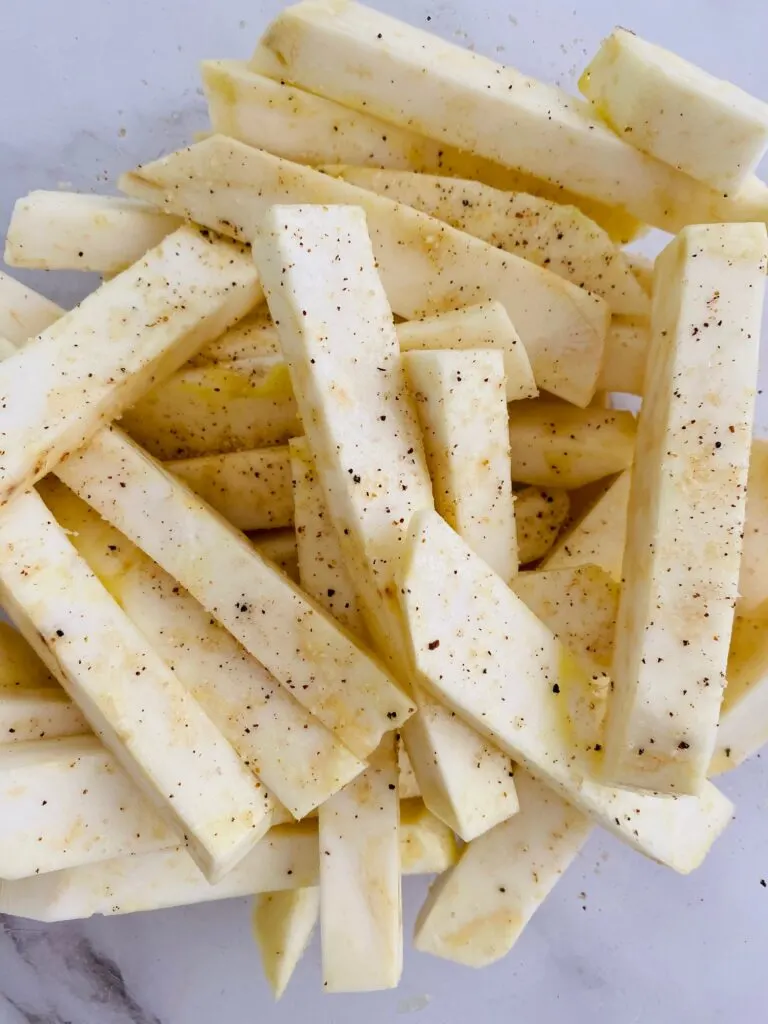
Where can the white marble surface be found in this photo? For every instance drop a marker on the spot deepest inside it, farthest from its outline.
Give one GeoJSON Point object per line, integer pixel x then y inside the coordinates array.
{"type": "Point", "coordinates": [90, 87]}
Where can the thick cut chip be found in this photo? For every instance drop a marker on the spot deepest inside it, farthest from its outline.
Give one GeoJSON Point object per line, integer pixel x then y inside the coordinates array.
{"type": "Point", "coordinates": [484, 325]}
{"type": "Point", "coordinates": [686, 508]}
{"type": "Point", "coordinates": [376, 64]}
{"type": "Point", "coordinates": [251, 489]}
{"type": "Point", "coordinates": [674, 111]}
{"type": "Point", "coordinates": [283, 923]}
{"type": "Point", "coordinates": [475, 913]}
{"type": "Point", "coordinates": [361, 927]}
{"type": "Point", "coordinates": [331, 675]}
{"type": "Point", "coordinates": [360, 898]}
{"type": "Point", "coordinates": [548, 234]}
{"type": "Point", "coordinates": [130, 696]}
{"type": "Point", "coordinates": [72, 231]}
{"type": "Point", "coordinates": [362, 428]}
{"type": "Point", "coordinates": [461, 405]}
{"type": "Point", "coordinates": [296, 757]}
{"type": "Point", "coordinates": [557, 445]}
{"type": "Point", "coordinates": [479, 647]}
{"type": "Point", "coordinates": [93, 362]}
{"type": "Point", "coordinates": [426, 266]}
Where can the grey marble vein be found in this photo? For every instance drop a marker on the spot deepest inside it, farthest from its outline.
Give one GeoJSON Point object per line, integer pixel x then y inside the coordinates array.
{"type": "Point", "coordinates": [52, 974]}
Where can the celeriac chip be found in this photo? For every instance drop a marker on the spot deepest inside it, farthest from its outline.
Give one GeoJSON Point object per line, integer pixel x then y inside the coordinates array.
{"type": "Point", "coordinates": [461, 405]}
{"type": "Point", "coordinates": [113, 818]}
{"type": "Point", "coordinates": [361, 927]}
{"type": "Point", "coordinates": [686, 508]}
{"type": "Point", "coordinates": [557, 445]}
{"type": "Point", "coordinates": [67, 802]}
{"type": "Point", "coordinates": [539, 516]}
{"type": "Point", "coordinates": [296, 757]}
{"type": "Point", "coordinates": [27, 714]}
{"type": "Point", "coordinates": [283, 923]}
{"type": "Point", "coordinates": [599, 536]}
{"type": "Point", "coordinates": [667, 107]}
{"type": "Point", "coordinates": [476, 911]}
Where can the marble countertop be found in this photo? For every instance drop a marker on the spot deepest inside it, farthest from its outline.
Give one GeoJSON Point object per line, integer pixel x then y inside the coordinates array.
{"type": "Point", "coordinates": [91, 87]}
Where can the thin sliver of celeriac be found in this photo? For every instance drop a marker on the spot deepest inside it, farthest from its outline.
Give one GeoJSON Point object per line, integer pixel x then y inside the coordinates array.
{"type": "Point", "coordinates": [683, 548]}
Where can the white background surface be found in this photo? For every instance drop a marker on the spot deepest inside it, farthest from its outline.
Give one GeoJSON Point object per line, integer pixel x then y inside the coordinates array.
{"type": "Point", "coordinates": [90, 87]}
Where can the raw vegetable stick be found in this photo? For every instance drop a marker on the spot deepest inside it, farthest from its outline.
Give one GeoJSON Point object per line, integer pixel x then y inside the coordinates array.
{"type": "Point", "coordinates": [23, 312]}
{"type": "Point", "coordinates": [360, 897]}
{"type": "Point", "coordinates": [252, 489]}
{"type": "Point", "coordinates": [66, 801]}
{"type": "Point", "coordinates": [681, 560]}
{"type": "Point", "coordinates": [483, 325]}
{"type": "Point", "coordinates": [557, 445]}
{"type": "Point", "coordinates": [27, 714]}
{"type": "Point", "coordinates": [462, 410]}
{"type": "Point", "coordinates": [72, 231]}
{"type": "Point", "coordinates": [283, 923]}
{"type": "Point", "coordinates": [477, 911]}
{"type": "Point", "coordinates": [667, 107]}
{"type": "Point", "coordinates": [369, 458]}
